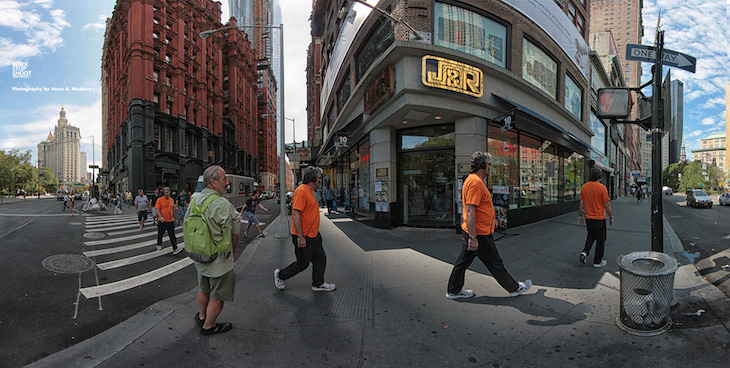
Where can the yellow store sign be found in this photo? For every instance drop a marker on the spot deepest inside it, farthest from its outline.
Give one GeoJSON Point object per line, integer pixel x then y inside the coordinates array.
{"type": "Point", "coordinates": [452, 75]}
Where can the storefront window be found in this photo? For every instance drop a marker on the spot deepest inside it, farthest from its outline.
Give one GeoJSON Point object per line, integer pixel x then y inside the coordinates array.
{"type": "Point", "coordinates": [531, 172]}
{"type": "Point", "coordinates": [503, 172]}
{"type": "Point", "coordinates": [376, 42]}
{"type": "Point", "coordinates": [598, 141]}
{"type": "Point", "coordinates": [573, 98]}
{"type": "Point", "coordinates": [539, 69]}
{"type": "Point", "coordinates": [427, 137]}
{"type": "Point", "coordinates": [469, 32]}
{"type": "Point", "coordinates": [574, 175]}
{"type": "Point", "coordinates": [552, 173]}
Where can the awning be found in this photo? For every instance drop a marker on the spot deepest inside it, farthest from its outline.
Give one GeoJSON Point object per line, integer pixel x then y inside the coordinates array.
{"type": "Point", "coordinates": [535, 123]}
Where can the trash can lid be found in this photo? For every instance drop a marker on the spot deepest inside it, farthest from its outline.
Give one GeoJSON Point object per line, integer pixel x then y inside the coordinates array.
{"type": "Point", "coordinates": [648, 263]}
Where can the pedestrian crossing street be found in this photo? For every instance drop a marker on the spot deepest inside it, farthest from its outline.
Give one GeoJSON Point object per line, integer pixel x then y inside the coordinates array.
{"type": "Point", "coordinates": [124, 245]}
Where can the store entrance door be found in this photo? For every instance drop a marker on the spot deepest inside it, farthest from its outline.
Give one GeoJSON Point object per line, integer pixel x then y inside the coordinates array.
{"type": "Point", "coordinates": [426, 191]}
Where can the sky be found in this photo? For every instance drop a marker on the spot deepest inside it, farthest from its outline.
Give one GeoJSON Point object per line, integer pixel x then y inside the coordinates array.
{"type": "Point", "coordinates": [56, 45]}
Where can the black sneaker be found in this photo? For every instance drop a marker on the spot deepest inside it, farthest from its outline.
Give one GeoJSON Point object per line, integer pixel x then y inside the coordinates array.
{"type": "Point", "coordinates": [582, 258]}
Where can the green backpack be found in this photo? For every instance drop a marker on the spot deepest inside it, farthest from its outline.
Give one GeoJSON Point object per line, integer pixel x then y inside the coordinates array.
{"type": "Point", "coordinates": [198, 243]}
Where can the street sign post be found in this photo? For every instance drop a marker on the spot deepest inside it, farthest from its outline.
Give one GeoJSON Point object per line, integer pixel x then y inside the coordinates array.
{"type": "Point", "coordinates": [669, 57]}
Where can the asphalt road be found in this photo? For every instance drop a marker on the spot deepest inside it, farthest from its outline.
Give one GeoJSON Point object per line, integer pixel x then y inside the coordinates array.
{"type": "Point", "coordinates": [705, 235]}
{"type": "Point", "coordinates": [44, 311]}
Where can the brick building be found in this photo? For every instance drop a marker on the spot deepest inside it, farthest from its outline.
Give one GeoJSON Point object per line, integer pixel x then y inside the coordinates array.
{"type": "Point", "coordinates": [623, 18]}
{"type": "Point", "coordinates": [174, 102]}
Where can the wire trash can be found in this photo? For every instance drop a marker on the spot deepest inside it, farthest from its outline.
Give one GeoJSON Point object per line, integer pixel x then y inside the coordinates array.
{"type": "Point", "coordinates": [647, 286]}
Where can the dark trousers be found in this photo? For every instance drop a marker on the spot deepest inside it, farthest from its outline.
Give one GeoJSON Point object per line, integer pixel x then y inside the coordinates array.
{"type": "Point", "coordinates": [329, 205]}
{"type": "Point", "coordinates": [314, 253]}
{"type": "Point", "coordinates": [488, 254]}
{"type": "Point", "coordinates": [170, 228]}
{"type": "Point", "coordinates": [596, 233]}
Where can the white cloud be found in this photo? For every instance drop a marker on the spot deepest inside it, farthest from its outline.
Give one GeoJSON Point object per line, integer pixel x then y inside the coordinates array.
{"type": "Point", "coordinates": [41, 27]}
{"type": "Point", "coordinates": [25, 135]}
{"type": "Point", "coordinates": [713, 102]}
{"type": "Point", "coordinates": [694, 133]}
{"type": "Point", "coordinates": [99, 26]}
{"type": "Point", "coordinates": [707, 121]}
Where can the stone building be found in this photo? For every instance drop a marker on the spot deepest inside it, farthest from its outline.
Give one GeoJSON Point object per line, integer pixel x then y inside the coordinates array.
{"type": "Point", "coordinates": [402, 109]}
{"type": "Point", "coordinates": [61, 152]}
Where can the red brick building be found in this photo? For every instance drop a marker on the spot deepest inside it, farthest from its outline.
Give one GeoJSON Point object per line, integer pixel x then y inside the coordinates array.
{"type": "Point", "coordinates": [266, 99]}
{"type": "Point", "coordinates": [176, 102]}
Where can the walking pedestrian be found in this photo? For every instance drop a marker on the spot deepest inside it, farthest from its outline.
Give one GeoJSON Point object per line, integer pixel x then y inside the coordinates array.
{"type": "Point", "coordinates": [118, 203]}
{"type": "Point", "coordinates": [72, 202]}
{"type": "Point", "coordinates": [65, 201]}
{"type": "Point", "coordinates": [153, 202]}
{"type": "Point", "coordinates": [477, 228]}
{"type": "Point", "coordinates": [594, 206]}
{"type": "Point", "coordinates": [181, 203]}
{"type": "Point", "coordinates": [166, 221]}
{"type": "Point", "coordinates": [305, 234]}
{"type": "Point", "coordinates": [249, 209]}
{"type": "Point", "coordinates": [328, 197]}
{"type": "Point", "coordinates": [140, 204]}
{"type": "Point", "coordinates": [216, 280]}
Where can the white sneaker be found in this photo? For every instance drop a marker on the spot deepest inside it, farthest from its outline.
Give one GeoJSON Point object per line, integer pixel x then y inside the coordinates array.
{"type": "Point", "coordinates": [460, 294]}
{"type": "Point", "coordinates": [324, 287]}
{"type": "Point", "coordinates": [582, 258]}
{"type": "Point", "coordinates": [159, 247]}
{"type": "Point", "coordinates": [524, 286]}
{"type": "Point", "coordinates": [279, 283]}
{"type": "Point", "coordinates": [598, 265]}
{"type": "Point", "coordinates": [177, 251]}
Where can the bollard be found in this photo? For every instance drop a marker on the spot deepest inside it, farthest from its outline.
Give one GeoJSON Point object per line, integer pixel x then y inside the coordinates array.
{"type": "Point", "coordinates": [647, 285]}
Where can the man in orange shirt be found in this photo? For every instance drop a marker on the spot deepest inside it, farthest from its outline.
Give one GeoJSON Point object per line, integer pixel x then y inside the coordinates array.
{"type": "Point", "coordinates": [477, 229]}
{"type": "Point", "coordinates": [166, 221]}
{"type": "Point", "coordinates": [305, 234]}
{"type": "Point", "coordinates": [594, 205]}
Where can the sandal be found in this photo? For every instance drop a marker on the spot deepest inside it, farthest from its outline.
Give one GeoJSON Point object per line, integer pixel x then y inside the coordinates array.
{"type": "Point", "coordinates": [219, 328]}
{"type": "Point", "coordinates": [199, 321]}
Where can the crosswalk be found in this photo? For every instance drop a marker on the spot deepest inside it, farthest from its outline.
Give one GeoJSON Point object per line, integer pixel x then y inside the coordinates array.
{"type": "Point", "coordinates": [118, 242]}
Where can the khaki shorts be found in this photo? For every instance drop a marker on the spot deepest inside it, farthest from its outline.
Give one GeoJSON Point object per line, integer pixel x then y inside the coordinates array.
{"type": "Point", "coordinates": [220, 288]}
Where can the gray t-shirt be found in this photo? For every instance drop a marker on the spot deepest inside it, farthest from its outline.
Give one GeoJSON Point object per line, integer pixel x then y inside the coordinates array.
{"type": "Point", "coordinates": [141, 202]}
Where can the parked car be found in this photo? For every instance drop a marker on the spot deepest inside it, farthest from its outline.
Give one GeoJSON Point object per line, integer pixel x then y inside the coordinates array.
{"type": "Point", "coordinates": [724, 199]}
{"type": "Point", "coordinates": [698, 198]}
{"type": "Point", "coordinates": [667, 190]}
{"type": "Point", "coordinates": [60, 194]}
{"type": "Point", "coordinates": [78, 196]}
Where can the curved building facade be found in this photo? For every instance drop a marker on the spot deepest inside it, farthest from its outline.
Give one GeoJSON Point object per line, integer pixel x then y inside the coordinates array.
{"type": "Point", "coordinates": [402, 111]}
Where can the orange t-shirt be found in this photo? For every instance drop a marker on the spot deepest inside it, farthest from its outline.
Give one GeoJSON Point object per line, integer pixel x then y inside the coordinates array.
{"type": "Point", "coordinates": [165, 206]}
{"type": "Point", "coordinates": [594, 195]}
{"type": "Point", "coordinates": [475, 192]}
{"type": "Point", "coordinates": [303, 200]}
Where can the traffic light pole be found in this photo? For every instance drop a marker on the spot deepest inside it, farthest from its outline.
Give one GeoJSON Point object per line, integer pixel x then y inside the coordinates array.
{"type": "Point", "coordinates": [657, 211]}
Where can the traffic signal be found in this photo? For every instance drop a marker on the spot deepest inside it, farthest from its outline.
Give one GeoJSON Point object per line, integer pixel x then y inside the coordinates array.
{"type": "Point", "coordinates": [614, 103]}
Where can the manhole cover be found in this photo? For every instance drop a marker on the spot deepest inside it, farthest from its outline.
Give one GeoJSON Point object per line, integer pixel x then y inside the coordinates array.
{"type": "Point", "coordinates": [75, 223]}
{"type": "Point", "coordinates": [94, 235]}
{"type": "Point", "coordinates": [68, 263]}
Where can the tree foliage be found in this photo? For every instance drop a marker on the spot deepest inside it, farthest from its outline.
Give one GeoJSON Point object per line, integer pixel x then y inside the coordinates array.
{"type": "Point", "coordinates": [17, 173]}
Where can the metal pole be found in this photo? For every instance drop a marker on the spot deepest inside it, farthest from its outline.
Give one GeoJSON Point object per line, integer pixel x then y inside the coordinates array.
{"type": "Point", "coordinates": [657, 226]}
{"type": "Point", "coordinates": [282, 231]}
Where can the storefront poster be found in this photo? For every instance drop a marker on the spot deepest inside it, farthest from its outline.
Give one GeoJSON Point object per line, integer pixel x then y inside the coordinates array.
{"type": "Point", "coordinates": [500, 199]}
{"type": "Point", "coordinates": [382, 199]}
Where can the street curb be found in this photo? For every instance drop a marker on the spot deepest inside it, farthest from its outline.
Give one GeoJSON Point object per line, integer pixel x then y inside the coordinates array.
{"type": "Point", "coordinates": [716, 299]}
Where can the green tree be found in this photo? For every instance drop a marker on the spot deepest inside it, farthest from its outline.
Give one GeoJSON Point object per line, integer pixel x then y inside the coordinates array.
{"type": "Point", "coordinates": [670, 175]}
{"type": "Point", "coordinates": [49, 181]}
{"type": "Point", "coordinates": [693, 177]}
{"type": "Point", "coordinates": [14, 173]}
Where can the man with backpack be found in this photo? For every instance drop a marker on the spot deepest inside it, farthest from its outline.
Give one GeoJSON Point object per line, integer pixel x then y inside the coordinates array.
{"type": "Point", "coordinates": [211, 214]}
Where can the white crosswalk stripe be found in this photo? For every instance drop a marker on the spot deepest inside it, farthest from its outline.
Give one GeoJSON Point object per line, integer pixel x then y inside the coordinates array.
{"type": "Point", "coordinates": [132, 282]}
{"type": "Point", "coordinates": [124, 246]}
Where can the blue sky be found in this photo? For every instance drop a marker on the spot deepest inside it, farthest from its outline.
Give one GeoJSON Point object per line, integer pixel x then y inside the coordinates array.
{"type": "Point", "coordinates": [59, 42]}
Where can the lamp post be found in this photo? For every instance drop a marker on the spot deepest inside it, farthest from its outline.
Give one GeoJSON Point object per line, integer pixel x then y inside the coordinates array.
{"type": "Point", "coordinates": [282, 230]}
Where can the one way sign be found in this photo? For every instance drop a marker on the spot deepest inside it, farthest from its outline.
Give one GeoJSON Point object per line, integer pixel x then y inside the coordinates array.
{"type": "Point", "coordinates": [669, 57]}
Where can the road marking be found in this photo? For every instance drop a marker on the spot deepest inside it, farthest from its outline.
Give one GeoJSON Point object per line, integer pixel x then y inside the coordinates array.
{"type": "Point", "coordinates": [102, 252]}
{"type": "Point", "coordinates": [119, 227]}
{"type": "Point", "coordinates": [136, 259]}
{"type": "Point", "coordinates": [35, 215]}
{"type": "Point", "coordinates": [132, 282]}
{"type": "Point", "coordinates": [125, 238]}
{"type": "Point", "coordinates": [136, 230]}
{"type": "Point", "coordinates": [109, 222]}
{"type": "Point", "coordinates": [110, 218]}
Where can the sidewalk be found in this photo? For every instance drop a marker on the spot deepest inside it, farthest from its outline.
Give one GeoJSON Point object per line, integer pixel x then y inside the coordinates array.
{"type": "Point", "coordinates": [389, 308]}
